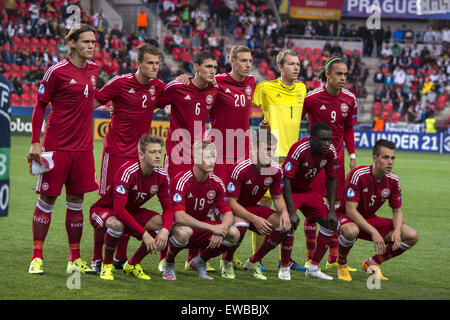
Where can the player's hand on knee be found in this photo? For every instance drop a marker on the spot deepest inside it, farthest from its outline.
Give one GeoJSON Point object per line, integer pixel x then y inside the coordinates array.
{"type": "Point", "coordinates": [396, 239]}
{"type": "Point", "coordinates": [219, 230]}
{"type": "Point", "coordinates": [332, 222]}
{"type": "Point", "coordinates": [262, 225]}
{"type": "Point", "coordinates": [295, 221]}
{"type": "Point", "coordinates": [161, 239]}
{"type": "Point", "coordinates": [215, 241]}
{"type": "Point", "coordinates": [149, 242]}
{"type": "Point", "coordinates": [378, 243]}
{"type": "Point", "coordinates": [285, 223]}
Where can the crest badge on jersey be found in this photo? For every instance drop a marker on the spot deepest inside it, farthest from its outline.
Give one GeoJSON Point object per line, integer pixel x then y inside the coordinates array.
{"type": "Point", "coordinates": [154, 189]}
{"type": "Point", "coordinates": [385, 192]}
{"type": "Point", "coordinates": [211, 194]}
{"type": "Point", "coordinates": [152, 90]}
{"type": "Point", "coordinates": [120, 189]}
{"type": "Point", "coordinates": [177, 197]}
{"type": "Point", "coordinates": [288, 166]}
{"type": "Point", "coordinates": [344, 107]}
{"type": "Point", "coordinates": [323, 163]}
{"type": "Point", "coordinates": [93, 80]}
{"type": "Point", "coordinates": [209, 99]}
{"type": "Point", "coordinates": [350, 193]}
{"type": "Point", "coordinates": [248, 91]}
{"type": "Point", "coordinates": [268, 181]}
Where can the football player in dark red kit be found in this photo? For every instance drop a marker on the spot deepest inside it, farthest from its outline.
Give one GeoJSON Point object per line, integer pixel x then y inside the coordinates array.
{"type": "Point", "coordinates": [69, 86]}
{"type": "Point", "coordinates": [196, 193]}
{"type": "Point", "coordinates": [249, 180]}
{"type": "Point", "coordinates": [367, 188]}
{"type": "Point", "coordinates": [119, 210]}
{"type": "Point", "coordinates": [190, 105]}
{"type": "Point", "coordinates": [333, 104]}
{"type": "Point", "coordinates": [134, 97]}
{"type": "Point", "coordinates": [305, 160]}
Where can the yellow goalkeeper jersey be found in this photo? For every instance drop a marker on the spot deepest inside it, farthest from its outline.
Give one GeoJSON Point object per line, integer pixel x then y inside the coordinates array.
{"type": "Point", "coordinates": [282, 107]}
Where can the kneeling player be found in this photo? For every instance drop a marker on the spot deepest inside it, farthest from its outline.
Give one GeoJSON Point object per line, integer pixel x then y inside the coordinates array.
{"type": "Point", "coordinates": [120, 210]}
{"type": "Point", "coordinates": [306, 158]}
{"type": "Point", "coordinates": [195, 193]}
{"type": "Point", "coordinates": [366, 190]}
{"type": "Point", "coordinates": [249, 181]}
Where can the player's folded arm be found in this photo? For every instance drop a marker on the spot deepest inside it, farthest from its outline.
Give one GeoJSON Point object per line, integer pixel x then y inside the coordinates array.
{"type": "Point", "coordinates": [121, 213]}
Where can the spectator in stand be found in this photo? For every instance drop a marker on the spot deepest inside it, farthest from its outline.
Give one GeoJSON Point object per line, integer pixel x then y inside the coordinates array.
{"type": "Point", "coordinates": [353, 33]}
{"type": "Point", "coordinates": [331, 31]}
{"type": "Point", "coordinates": [428, 35]}
{"type": "Point", "coordinates": [309, 30]}
{"type": "Point", "coordinates": [409, 34]}
{"type": "Point", "coordinates": [386, 50]}
{"type": "Point", "coordinates": [363, 73]}
{"type": "Point", "coordinates": [336, 50]}
{"type": "Point", "coordinates": [389, 81]}
{"type": "Point", "coordinates": [379, 94]}
{"type": "Point", "coordinates": [142, 20]}
{"type": "Point", "coordinates": [446, 34]}
{"type": "Point", "coordinates": [399, 77]}
{"type": "Point", "coordinates": [379, 35]}
{"type": "Point", "coordinates": [378, 77]}
{"type": "Point", "coordinates": [398, 34]}
{"type": "Point", "coordinates": [387, 34]}
{"type": "Point", "coordinates": [411, 114]}
{"type": "Point", "coordinates": [343, 32]}
{"type": "Point", "coordinates": [142, 35]}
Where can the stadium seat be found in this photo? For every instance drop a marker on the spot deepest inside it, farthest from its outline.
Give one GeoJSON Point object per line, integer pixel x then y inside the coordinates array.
{"type": "Point", "coordinates": [307, 52]}
{"type": "Point", "coordinates": [389, 107]}
{"type": "Point", "coordinates": [385, 70]}
{"type": "Point", "coordinates": [299, 50]}
{"type": "Point", "coordinates": [396, 116]}
{"type": "Point", "coordinates": [270, 75]}
{"type": "Point", "coordinates": [15, 100]}
{"type": "Point", "coordinates": [376, 108]}
{"type": "Point", "coordinates": [386, 115]}
{"type": "Point", "coordinates": [238, 33]}
{"type": "Point", "coordinates": [309, 84]}
{"type": "Point", "coordinates": [317, 52]}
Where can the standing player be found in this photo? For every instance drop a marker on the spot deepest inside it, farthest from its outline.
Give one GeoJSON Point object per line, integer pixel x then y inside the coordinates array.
{"type": "Point", "coordinates": [230, 118]}
{"type": "Point", "coordinates": [134, 96]}
{"type": "Point", "coordinates": [281, 101]}
{"type": "Point", "coordinates": [305, 160]}
{"type": "Point", "coordinates": [119, 210]}
{"type": "Point", "coordinates": [250, 179]}
{"type": "Point", "coordinates": [191, 104]}
{"type": "Point", "coordinates": [195, 193]}
{"type": "Point", "coordinates": [69, 86]}
{"type": "Point", "coordinates": [366, 189]}
{"type": "Point", "coordinates": [336, 106]}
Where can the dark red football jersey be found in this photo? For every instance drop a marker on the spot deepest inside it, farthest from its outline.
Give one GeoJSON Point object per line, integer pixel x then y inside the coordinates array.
{"type": "Point", "coordinates": [362, 187]}
{"type": "Point", "coordinates": [231, 111]}
{"type": "Point", "coordinates": [134, 104]}
{"type": "Point", "coordinates": [70, 90]}
{"type": "Point", "coordinates": [199, 198]}
{"type": "Point", "coordinates": [339, 112]}
{"type": "Point", "coordinates": [248, 184]}
{"type": "Point", "coordinates": [302, 165]}
{"type": "Point", "coordinates": [190, 107]}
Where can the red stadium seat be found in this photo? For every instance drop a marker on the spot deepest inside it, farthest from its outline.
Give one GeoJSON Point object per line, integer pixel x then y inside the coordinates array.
{"type": "Point", "coordinates": [385, 70]}
{"type": "Point", "coordinates": [389, 107]}
{"type": "Point", "coordinates": [386, 115]}
{"type": "Point", "coordinates": [15, 100]}
{"type": "Point", "coordinates": [376, 108]}
{"type": "Point", "coordinates": [317, 51]}
{"type": "Point", "coordinates": [307, 52]}
{"type": "Point", "coordinates": [270, 75]}
{"type": "Point", "coordinates": [396, 116]}
{"type": "Point", "coordinates": [263, 65]}
{"type": "Point", "coordinates": [299, 50]}
{"type": "Point", "coordinates": [309, 84]}
{"type": "Point", "coordinates": [238, 33]}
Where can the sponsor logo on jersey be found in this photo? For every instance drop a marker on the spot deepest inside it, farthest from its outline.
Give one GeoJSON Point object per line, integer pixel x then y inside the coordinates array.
{"type": "Point", "coordinates": [385, 192]}
{"type": "Point", "coordinates": [305, 164]}
{"type": "Point", "coordinates": [366, 190]}
{"type": "Point", "coordinates": [154, 189]}
{"type": "Point", "coordinates": [190, 195]}
{"type": "Point", "coordinates": [120, 189]}
{"type": "Point", "coordinates": [72, 81]}
{"type": "Point", "coordinates": [211, 194]}
{"type": "Point", "coordinates": [249, 182]}
{"type": "Point", "coordinates": [350, 193]}
{"type": "Point", "coordinates": [231, 187]}
{"type": "Point", "coordinates": [41, 89]}
{"type": "Point", "coordinates": [278, 95]}
{"type": "Point", "coordinates": [135, 188]}
{"type": "Point", "coordinates": [131, 91]}
{"type": "Point", "coordinates": [227, 90]}
{"type": "Point", "coordinates": [344, 107]}
{"type": "Point", "coordinates": [177, 197]}
{"type": "Point", "coordinates": [323, 163]}
{"type": "Point", "coordinates": [209, 99]}
{"type": "Point", "coordinates": [288, 166]}
{"type": "Point", "coordinates": [188, 97]}
{"type": "Point", "coordinates": [248, 90]}
{"type": "Point", "coordinates": [323, 107]}
{"type": "Point", "coordinates": [268, 181]}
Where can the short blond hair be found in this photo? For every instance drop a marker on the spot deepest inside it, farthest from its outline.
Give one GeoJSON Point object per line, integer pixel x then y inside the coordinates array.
{"type": "Point", "coordinates": [282, 55]}
{"type": "Point", "coordinates": [238, 49]}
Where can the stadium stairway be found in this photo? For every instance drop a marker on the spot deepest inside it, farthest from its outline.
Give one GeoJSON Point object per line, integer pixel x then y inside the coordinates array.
{"type": "Point", "coordinates": [365, 116]}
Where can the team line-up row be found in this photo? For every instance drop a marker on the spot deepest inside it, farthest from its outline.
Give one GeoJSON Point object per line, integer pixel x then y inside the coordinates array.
{"type": "Point", "coordinates": [192, 187]}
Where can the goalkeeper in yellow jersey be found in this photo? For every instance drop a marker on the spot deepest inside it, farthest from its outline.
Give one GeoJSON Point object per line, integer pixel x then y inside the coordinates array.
{"type": "Point", "coordinates": [281, 101]}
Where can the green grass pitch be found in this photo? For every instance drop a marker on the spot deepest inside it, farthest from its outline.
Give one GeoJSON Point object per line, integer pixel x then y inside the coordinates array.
{"type": "Point", "coordinates": [420, 273]}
